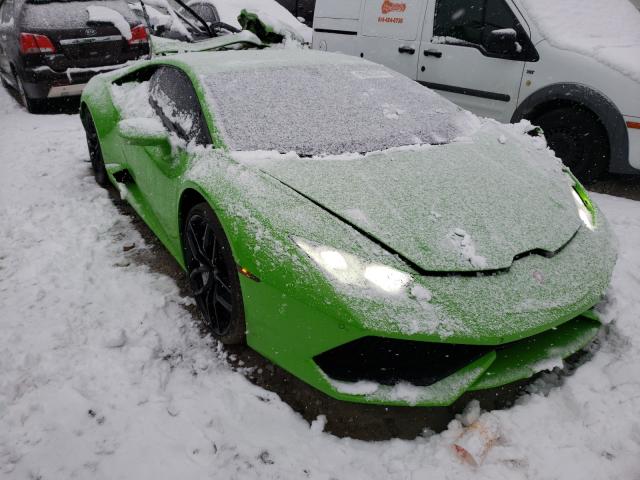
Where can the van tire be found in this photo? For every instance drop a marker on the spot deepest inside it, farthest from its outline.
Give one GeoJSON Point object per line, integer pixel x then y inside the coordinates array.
{"type": "Point", "coordinates": [578, 138]}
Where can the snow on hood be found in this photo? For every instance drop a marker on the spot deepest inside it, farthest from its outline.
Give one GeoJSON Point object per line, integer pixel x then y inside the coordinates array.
{"type": "Point", "coordinates": [608, 31]}
{"type": "Point", "coordinates": [270, 13]}
{"type": "Point", "coordinates": [466, 206]}
{"type": "Point", "coordinates": [163, 45]}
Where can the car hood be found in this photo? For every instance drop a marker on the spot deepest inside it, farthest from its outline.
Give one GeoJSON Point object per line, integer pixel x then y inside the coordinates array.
{"type": "Point", "coordinates": [165, 46]}
{"type": "Point", "coordinates": [463, 207]}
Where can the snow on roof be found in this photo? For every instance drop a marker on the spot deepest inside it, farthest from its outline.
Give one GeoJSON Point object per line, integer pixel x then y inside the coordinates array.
{"type": "Point", "coordinates": [100, 14]}
{"type": "Point", "coordinates": [608, 31]}
{"type": "Point", "coordinates": [243, 60]}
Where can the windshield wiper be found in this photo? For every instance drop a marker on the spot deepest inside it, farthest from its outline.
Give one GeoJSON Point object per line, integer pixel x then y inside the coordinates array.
{"type": "Point", "coordinates": [207, 29]}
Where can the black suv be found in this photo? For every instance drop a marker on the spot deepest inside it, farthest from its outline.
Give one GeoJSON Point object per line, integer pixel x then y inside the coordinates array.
{"type": "Point", "coordinates": [51, 48]}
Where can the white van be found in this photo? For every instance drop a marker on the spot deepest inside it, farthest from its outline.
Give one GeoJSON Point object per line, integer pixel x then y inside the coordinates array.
{"type": "Point", "coordinates": [570, 66]}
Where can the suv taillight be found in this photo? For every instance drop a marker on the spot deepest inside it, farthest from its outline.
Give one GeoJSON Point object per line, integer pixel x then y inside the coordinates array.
{"type": "Point", "coordinates": [34, 43]}
{"type": "Point", "coordinates": [138, 35]}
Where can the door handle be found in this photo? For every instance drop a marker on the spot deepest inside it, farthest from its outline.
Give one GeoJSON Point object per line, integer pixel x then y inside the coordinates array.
{"type": "Point", "coordinates": [433, 53]}
{"type": "Point", "coordinates": [405, 49]}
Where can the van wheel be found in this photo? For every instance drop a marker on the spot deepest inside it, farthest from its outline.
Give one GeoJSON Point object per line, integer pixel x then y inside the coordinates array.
{"type": "Point", "coordinates": [579, 138]}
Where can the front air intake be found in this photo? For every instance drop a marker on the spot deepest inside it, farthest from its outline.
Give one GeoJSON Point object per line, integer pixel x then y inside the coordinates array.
{"type": "Point", "coordinates": [388, 361]}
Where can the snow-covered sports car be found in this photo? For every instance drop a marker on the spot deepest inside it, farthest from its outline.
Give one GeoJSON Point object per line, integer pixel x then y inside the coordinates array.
{"type": "Point", "coordinates": [362, 232]}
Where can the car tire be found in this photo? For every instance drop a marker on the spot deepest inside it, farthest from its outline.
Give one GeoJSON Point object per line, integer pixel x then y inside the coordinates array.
{"type": "Point", "coordinates": [95, 152]}
{"type": "Point", "coordinates": [579, 138]}
{"type": "Point", "coordinates": [213, 275]}
{"type": "Point", "coordinates": [32, 105]}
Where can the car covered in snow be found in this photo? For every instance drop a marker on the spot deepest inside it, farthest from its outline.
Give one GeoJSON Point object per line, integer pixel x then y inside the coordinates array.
{"type": "Point", "coordinates": [51, 48]}
{"type": "Point", "coordinates": [571, 67]}
{"type": "Point", "coordinates": [197, 20]}
{"type": "Point", "coordinates": [364, 233]}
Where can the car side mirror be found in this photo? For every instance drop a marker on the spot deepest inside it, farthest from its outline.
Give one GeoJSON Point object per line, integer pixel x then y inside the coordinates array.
{"type": "Point", "coordinates": [143, 132]}
{"type": "Point", "coordinates": [503, 41]}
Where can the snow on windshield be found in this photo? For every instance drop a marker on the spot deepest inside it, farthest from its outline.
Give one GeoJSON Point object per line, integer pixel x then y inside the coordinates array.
{"type": "Point", "coordinates": [330, 110]}
{"type": "Point", "coordinates": [608, 31]}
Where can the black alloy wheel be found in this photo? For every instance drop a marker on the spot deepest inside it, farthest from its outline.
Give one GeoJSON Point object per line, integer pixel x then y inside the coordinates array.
{"type": "Point", "coordinates": [213, 274]}
{"type": "Point", "coordinates": [95, 153]}
{"type": "Point", "coordinates": [579, 139]}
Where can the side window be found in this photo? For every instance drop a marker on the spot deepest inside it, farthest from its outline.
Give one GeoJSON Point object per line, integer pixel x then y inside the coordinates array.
{"type": "Point", "coordinates": [488, 25]}
{"type": "Point", "coordinates": [6, 11]}
{"type": "Point", "coordinates": [460, 20]}
{"type": "Point", "coordinates": [173, 98]}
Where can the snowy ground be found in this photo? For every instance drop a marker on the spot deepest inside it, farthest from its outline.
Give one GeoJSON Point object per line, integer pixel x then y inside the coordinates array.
{"type": "Point", "coordinates": [103, 373]}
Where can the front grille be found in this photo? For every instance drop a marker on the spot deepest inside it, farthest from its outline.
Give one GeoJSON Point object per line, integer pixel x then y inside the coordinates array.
{"type": "Point", "coordinates": [388, 361]}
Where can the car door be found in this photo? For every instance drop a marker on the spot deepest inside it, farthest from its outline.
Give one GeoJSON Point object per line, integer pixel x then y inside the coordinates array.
{"type": "Point", "coordinates": [157, 169]}
{"type": "Point", "coordinates": [6, 31]}
{"type": "Point", "coordinates": [474, 52]}
{"type": "Point", "coordinates": [390, 33]}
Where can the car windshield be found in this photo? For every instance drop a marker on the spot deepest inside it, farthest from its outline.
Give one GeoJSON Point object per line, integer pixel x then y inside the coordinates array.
{"type": "Point", "coordinates": [36, 2]}
{"type": "Point", "coordinates": [327, 110]}
{"type": "Point", "coordinates": [167, 18]}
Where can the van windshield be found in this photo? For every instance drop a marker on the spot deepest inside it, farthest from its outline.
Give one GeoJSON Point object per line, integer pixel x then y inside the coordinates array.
{"type": "Point", "coordinates": [327, 110]}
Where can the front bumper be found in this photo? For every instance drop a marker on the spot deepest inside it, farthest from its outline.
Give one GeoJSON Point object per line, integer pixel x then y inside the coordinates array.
{"type": "Point", "coordinates": [527, 320]}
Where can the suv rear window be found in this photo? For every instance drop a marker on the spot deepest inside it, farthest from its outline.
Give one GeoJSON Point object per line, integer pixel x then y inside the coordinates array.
{"type": "Point", "coordinates": [325, 110]}
{"type": "Point", "coordinates": [68, 14]}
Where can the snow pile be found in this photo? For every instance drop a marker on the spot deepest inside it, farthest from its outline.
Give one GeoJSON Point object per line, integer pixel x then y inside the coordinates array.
{"type": "Point", "coordinates": [442, 391]}
{"type": "Point", "coordinates": [100, 14]}
{"type": "Point", "coordinates": [465, 245]}
{"type": "Point", "coordinates": [104, 375]}
{"type": "Point", "coordinates": [270, 13]}
{"type": "Point", "coordinates": [132, 100]}
{"type": "Point", "coordinates": [169, 18]}
{"type": "Point", "coordinates": [134, 127]}
{"type": "Point", "coordinates": [608, 31]}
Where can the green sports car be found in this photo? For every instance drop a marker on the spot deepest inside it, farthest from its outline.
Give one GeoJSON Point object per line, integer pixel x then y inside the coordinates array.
{"type": "Point", "coordinates": [352, 226]}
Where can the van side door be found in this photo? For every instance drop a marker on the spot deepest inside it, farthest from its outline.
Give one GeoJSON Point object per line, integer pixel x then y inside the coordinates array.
{"type": "Point", "coordinates": [390, 33]}
{"type": "Point", "coordinates": [474, 52]}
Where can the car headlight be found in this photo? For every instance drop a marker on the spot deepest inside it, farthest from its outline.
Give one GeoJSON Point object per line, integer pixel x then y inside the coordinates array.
{"type": "Point", "coordinates": [586, 208]}
{"type": "Point", "coordinates": [350, 270]}
{"type": "Point", "coordinates": [586, 215]}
